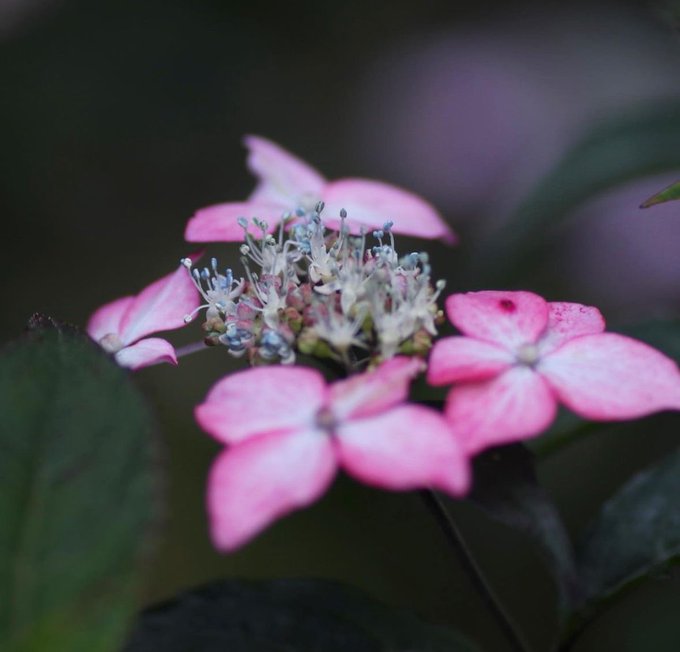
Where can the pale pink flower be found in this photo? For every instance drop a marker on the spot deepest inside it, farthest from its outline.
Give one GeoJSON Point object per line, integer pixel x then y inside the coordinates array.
{"type": "Point", "coordinates": [288, 433]}
{"type": "Point", "coordinates": [519, 356]}
{"type": "Point", "coordinates": [120, 327]}
{"type": "Point", "coordinates": [286, 183]}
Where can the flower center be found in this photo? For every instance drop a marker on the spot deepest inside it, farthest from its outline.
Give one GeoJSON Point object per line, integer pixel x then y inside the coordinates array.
{"type": "Point", "coordinates": [528, 354]}
{"type": "Point", "coordinates": [111, 343]}
{"type": "Point", "coordinates": [325, 420]}
{"type": "Point", "coordinates": [319, 291]}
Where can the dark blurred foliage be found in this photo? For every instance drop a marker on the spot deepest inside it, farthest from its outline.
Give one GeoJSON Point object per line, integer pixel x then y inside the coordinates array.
{"type": "Point", "coordinates": [120, 118]}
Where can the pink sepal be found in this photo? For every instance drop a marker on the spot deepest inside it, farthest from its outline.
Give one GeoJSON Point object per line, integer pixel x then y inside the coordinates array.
{"type": "Point", "coordinates": [609, 376]}
{"type": "Point", "coordinates": [567, 321]}
{"type": "Point", "coordinates": [464, 358]}
{"type": "Point", "coordinates": [146, 352]}
{"type": "Point", "coordinates": [160, 306]}
{"type": "Point", "coordinates": [371, 203]}
{"type": "Point", "coordinates": [506, 318]}
{"type": "Point", "coordinates": [374, 391]}
{"type": "Point", "coordinates": [219, 223]}
{"type": "Point", "coordinates": [107, 319]}
{"type": "Point", "coordinates": [264, 478]}
{"type": "Point", "coordinates": [260, 400]}
{"type": "Point", "coordinates": [282, 177]}
{"type": "Point", "coordinates": [407, 447]}
{"type": "Point", "coordinates": [517, 404]}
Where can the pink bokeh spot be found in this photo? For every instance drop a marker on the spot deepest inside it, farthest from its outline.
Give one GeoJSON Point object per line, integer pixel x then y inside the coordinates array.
{"type": "Point", "coordinates": [288, 432]}
{"type": "Point", "coordinates": [121, 326]}
{"type": "Point", "coordinates": [286, 183]}
{"type": "Point", "coordinates": [519, 356]}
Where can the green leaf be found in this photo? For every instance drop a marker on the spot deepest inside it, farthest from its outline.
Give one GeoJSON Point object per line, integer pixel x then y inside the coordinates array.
{"type": "Point", "coordinates": [286, 616]}
{"type": "Point", "coordinates": [667, 194]}
{"type": "Point", "coordinates": [622, 148]}
{"type": "Point", "coordinates": [636, 533]}
{"type": "Point", "coordinates": [505, 486]}
{"type": "Point", "coordinates": [76, 493]}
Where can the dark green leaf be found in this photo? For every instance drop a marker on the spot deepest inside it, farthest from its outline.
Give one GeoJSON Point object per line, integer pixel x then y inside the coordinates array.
{"type": "Point", "coordinates": [636, 533]}
{"type": "Point", "coordinates": [286, 616]}
{"type": "Point", "coordinates": [667, 194]}
{"type": "Point", "coordinates": [505, 486]}
{"type": "Point", "coordinates": [75, 493]}
{"type": "Point", "coordinates": [618, 150]}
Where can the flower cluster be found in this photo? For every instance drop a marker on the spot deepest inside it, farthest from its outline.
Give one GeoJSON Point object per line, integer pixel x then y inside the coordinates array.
{"type": "Point", "coordinates": [321, 276]}
{"type": "Point", "coordinates": [323, 293]}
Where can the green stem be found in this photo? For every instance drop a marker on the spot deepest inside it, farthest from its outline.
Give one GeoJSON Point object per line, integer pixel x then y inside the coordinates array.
{"type": "Point", "coordinates": [453, 535]}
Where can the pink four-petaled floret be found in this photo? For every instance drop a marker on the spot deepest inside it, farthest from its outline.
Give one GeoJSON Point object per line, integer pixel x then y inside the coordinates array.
{"type": "Point", "coordinates": [120, 327]}
{"type": "Point", "coordinates": [288, 432]}
{"type": "Point", "coordinates": [285, 183]}
{"type": "Point", "coordinates": [519, 356]}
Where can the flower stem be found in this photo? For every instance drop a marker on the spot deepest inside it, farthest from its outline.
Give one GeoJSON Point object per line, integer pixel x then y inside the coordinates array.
{"type": "Point", "coordinates": [453, 535]}
{"type": "Point", "coordinates": [188, 349]}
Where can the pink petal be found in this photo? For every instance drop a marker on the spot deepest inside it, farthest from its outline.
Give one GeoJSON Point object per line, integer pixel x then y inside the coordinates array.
{"type": "Point", "coordinates": [160, 306]}
{"type": "Point", "coordinates": [218, 223]}
{"type": "Point", "coordinates": [516, 405]}
{"type": "Point", "coordinates": [264, 478]}
{"type": "Point", "coordinates": [151, 350]}
{"type": "Point", "coordinates": [372, 203]}
{"type": "Point", "coordinates": [569, 320]}
{"type": "Point", "coordinates": [374, 391]}
{"type": "Point", "coordinates": [283, 177]}
{"type": "Point", "coordinates": [106, 320]}
{"type": "Point", "coordinates": [261, 400]}
{"type": "Point", "coordinates": [407, 447]}
{"type": "Point", "coordinates": [465, 358]}
{"type": "Point", "coordinates": [610, 376]}
{"type": "Point", "coordinates": [507, 318]}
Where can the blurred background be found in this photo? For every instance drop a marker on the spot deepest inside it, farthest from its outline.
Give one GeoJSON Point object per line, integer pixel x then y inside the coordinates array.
{"type": "Point", "coordinates": [120, 118]}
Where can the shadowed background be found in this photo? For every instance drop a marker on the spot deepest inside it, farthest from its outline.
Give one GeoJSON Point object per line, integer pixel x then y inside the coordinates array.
{"type": "Point", "coordinates": [119, 119]}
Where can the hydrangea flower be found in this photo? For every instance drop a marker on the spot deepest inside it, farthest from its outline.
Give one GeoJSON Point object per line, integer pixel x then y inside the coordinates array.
{"type": "Point", "coordinates": [519, 356]}
{"type": "Point", "coordinates": [322, 293]}
{"type": "Point", "coordinates": [120, 327]}
{"type": "Point", "coordinates": [288, 433]}
{"type": "Point", "coordinates": [287, 185]}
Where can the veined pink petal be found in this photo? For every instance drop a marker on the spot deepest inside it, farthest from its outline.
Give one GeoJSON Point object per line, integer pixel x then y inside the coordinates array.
{"type": "Point", "coordinates": [106, 320]}
{"type": "Point", "coordinates": [264, 478]}
{"type": "Point", "coordinates": [404, 448]}
{"type": "Point", "coordinates": [517, 404]}
{"type": "Point", "coordinates": [610, 376]}
{"type": "Point", "coordinates": [261, 400]}
{"type": "Point", "coordinates": [219, 223]}
{"type": "Point", "coordinates": [160, 306]}
{"type": "Point", "coordinates": [148, 351]}
{"type": "Point", "coordinates": [283, 177]}
{"type": "Point", "coordinates": [569, 320]}
{"type": "Point", "coordinates": [465, 358]}
{"type": "Point", "coordinates": [374, 391]}
{"type": "Point", "coordinates": [507, 318]}
{"type": "Point", "coordinates": [372, 203]}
